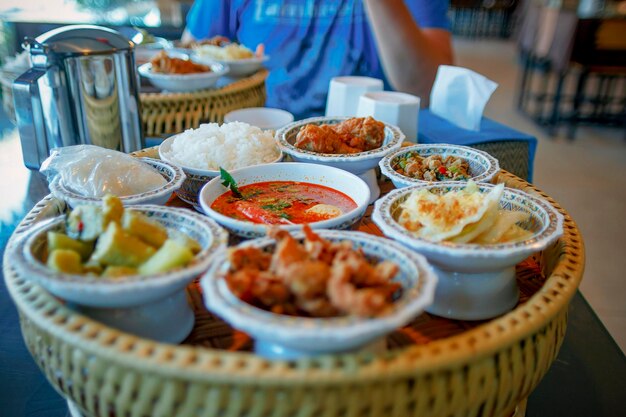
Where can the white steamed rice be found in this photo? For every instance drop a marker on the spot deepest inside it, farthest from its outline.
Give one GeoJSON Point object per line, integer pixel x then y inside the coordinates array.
{"type": "Point", "coordinates": [230, 146]}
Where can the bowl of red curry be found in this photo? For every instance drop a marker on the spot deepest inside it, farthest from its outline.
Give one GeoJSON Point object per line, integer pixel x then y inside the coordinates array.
{"type": "Point", "coordinates": [286, 195]}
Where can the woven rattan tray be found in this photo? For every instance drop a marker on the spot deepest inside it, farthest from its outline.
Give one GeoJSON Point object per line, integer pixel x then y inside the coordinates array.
{"type": "Point", "coordinates": [167, 113]}
{"type": "Point", "coordinates": [435, 367]}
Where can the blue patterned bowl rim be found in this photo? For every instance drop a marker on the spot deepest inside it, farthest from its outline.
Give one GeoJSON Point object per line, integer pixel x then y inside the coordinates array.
{"type": "Point", "coordinates": [33, 268]}
{"type": "Point", "coordinates": [444, 149]}
{"type": "Point", "coordinates": [175, 176]}
{"type": "Point", "coordinates": [247, 317]}
{"type": "Point", "coordinates": [393, 140]}
{"type": "Point", "coordinates": [549, 232]}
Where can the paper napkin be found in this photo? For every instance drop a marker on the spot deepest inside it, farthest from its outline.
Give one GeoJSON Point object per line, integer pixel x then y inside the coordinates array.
{"type": "Point", "coordinates": [459, 95]}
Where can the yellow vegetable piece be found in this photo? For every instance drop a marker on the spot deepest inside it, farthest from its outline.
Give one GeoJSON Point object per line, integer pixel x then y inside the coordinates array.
{"type": "Point", "coordinates": [145, 229]}
{"type": "Point", "coordinates": [63, 241]}
{"type": "Point", "coordinates": [65, 260]}
{"type": "Point", "coordinates": [112, 209]}
{"type": "Point", "coordinates": [116, 247]}
{"type": "Point", "coordinates": [171, 255]}
{"type": "Point", "coordinates": [118, 271]}
{"type": "Point", "coordinates": [92, 267]}
{"type": "Point", "coordinates": [185, 240]}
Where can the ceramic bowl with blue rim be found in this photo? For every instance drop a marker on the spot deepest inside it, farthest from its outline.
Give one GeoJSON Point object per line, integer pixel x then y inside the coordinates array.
{"type": "Point", "coordinates": [356, 163]}
{"type": "Point", "coordinates": [196, 177]}
{"type": "Point", "coordinates": [174, 176]}
{"type": "Point", "coordinates": [152, 306]}
{"type": "Point", "coordinates": [340, 180]}
{"type": "Point", "coordinates": [482, 166]}
{"type": "Point", "coordinates": [475, 281]}
{"type": "Point", "coordinates": [280, 336]}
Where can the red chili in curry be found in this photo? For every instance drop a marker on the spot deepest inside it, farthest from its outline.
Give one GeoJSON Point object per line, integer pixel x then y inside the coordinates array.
{"type": "Point", "coordinates": [283, 202]}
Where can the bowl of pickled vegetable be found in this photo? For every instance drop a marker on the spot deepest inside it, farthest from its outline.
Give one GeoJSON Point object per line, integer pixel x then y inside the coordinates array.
{"type": "Point", "coordinates": [426, 163]}
{"type": "Point", "coordinates": [126, 267]}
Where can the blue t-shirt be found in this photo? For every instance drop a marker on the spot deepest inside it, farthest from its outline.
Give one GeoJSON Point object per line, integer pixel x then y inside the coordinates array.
{"type": "Point", "coordinates": [308, 41]}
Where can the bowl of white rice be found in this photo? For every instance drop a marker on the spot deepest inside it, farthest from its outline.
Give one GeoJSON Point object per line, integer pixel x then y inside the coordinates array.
{"type": "Point", "coordinates": [201, 152]}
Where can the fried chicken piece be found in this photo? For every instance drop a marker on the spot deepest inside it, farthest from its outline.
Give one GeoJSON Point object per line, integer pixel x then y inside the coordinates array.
{"type": "Point", "coordinates": [371, 131]}
{"type": "Point", "coordinates": [288, 251]}
{"type": "Point", "coordinates": [252, 258]}
{"type": "Point", "coordinates": [318, 307]}
{"type": "Point", "coordinates": [349, 297]}
{"type": "Point", "coordinates": [321, 249]}
{"type": "Point", "coordinates": [306, 279]}
{"type": "Point", "coordinates": [258, 287]}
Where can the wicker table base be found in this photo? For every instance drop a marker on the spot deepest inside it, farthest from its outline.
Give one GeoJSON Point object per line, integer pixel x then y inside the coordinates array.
{"type": "Point", "coordinates": [434, 367]}
{"type": "Point", "coordinates": [168, 113]}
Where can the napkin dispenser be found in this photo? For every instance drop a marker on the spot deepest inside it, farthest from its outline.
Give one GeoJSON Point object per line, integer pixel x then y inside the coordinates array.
{"type": "Point", "coordinates": [82, 88]}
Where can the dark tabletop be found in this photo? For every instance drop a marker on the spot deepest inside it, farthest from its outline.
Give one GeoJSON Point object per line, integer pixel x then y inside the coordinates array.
{"type": "Point", "coordinates": [586, 380]}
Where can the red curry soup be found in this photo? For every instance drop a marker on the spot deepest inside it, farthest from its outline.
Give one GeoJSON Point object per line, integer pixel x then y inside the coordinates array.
{"type": "Point", "coordinates": [284, 202]}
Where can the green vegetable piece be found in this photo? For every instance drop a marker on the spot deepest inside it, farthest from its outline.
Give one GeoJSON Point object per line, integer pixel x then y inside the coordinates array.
{"type": "Point", "coordinates": [118, 271]}
{"type": "Point", "coordinates": [145, 229]}
{"type": "Point", "coordinates": [112, 209]}
{"type": "Point", "coordinates": [116, 247]}
{"type": "Point", "coordinates": [65, 260]}
{"type": "Point", "coordinates": [86, 223]}
{"type": "Point", "coordinates": [185, 240]}
{"type": "Point", "coordinates": [62, 241]}
{"type": "Point", "coordinates": [230, 182]}
{"type": "Point", "coordinates": [171, 255]}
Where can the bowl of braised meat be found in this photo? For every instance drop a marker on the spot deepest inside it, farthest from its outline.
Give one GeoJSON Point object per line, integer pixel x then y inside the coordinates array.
{"type": "Point", "coordinates": [178, 73]}
{"type": "Point", "coordinates": [319, 292]}
{"type": "Point", "coordinates": [354, 144]}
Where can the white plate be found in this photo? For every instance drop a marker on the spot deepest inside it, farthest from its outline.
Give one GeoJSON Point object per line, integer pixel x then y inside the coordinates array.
{"type": "Point", "coordinates": [238, 67]}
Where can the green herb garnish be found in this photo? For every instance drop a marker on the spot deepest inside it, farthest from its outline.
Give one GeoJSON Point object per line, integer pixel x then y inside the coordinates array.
{"type": "Point", "coordinates": [279, 206]}
{"type": "Point", "coordinates": [229, 181]}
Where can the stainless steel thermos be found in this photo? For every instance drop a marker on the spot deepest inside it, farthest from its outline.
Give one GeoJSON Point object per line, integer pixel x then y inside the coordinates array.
{"type": "Point", "coordinates": [82, 88]}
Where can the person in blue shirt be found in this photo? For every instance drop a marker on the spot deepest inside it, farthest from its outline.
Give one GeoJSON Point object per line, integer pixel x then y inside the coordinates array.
{"type": "Point", "coordinates": [309, 42]}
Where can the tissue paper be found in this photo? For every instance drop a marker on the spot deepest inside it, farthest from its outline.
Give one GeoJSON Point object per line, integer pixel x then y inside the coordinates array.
{"type": "Point", "coordinates": [460, 95]}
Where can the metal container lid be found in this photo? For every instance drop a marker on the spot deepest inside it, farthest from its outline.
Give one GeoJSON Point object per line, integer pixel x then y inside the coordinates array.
{"type": "Point", "coordinates": [76, 40]}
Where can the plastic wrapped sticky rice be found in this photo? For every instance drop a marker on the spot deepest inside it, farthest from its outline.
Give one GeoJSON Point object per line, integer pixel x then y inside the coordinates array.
{"type": "Point", "coordinates": [92, 171]}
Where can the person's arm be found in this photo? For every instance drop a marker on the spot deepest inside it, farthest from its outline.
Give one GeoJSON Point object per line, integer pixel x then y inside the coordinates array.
{"type": "Point", "coordinates": [187, 37]}
{"type": "Point", "coordinates": [409, 54]}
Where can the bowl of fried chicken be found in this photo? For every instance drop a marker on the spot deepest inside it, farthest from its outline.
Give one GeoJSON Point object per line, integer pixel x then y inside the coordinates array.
{"type": "Point", "coordinates": [319, 292]}
{"type": "Point", "coordinates": [354, 144]}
